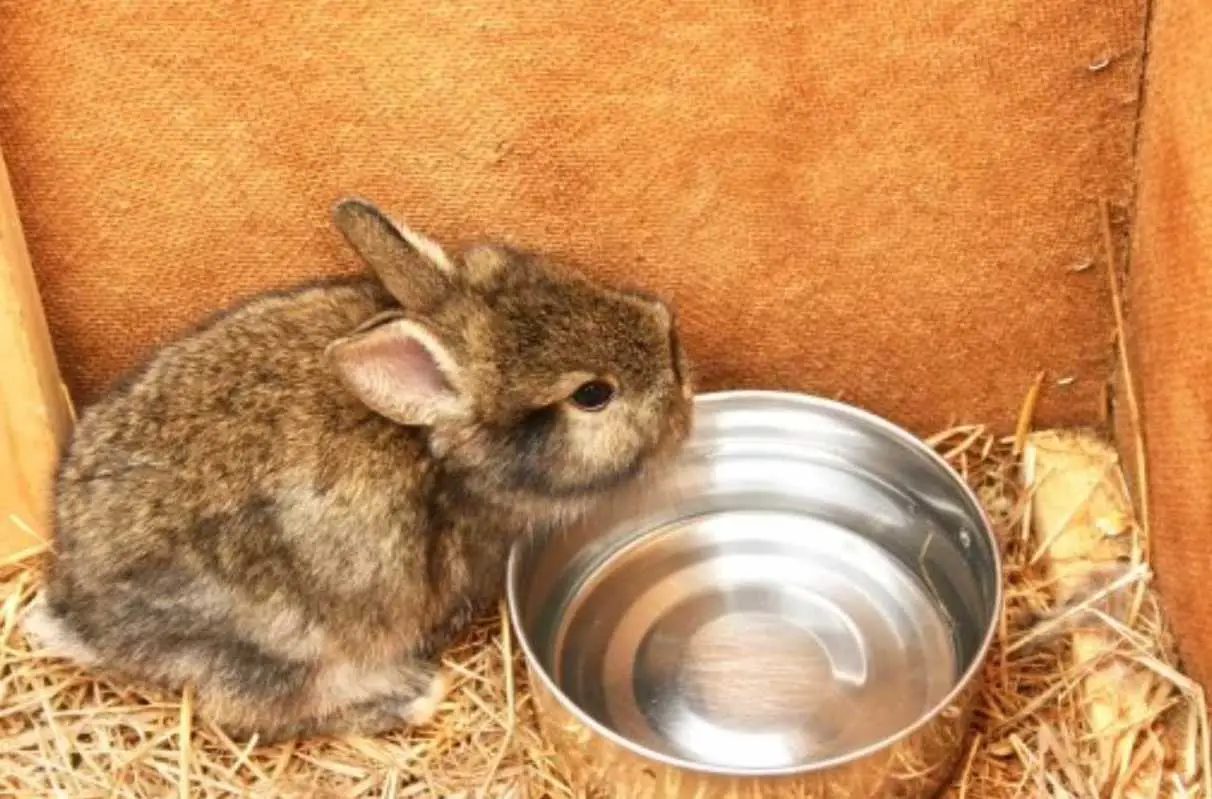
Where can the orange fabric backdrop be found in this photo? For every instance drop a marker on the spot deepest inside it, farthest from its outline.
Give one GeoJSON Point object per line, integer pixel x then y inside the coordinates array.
{"type": "Point", "coordinates": [881, 200]}
{"type": "Point", "coordinates": [1170, 316]}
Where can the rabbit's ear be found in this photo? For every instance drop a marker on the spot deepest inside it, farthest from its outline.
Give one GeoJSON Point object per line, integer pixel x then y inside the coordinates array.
{"type": "Point", "coordinates": [414, 268]}
{"type": "Point", "coordinates": [400, 370]}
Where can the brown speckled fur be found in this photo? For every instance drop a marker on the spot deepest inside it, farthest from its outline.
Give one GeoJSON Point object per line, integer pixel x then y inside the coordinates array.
{"type": "Point", "coordinates": [234, 514]}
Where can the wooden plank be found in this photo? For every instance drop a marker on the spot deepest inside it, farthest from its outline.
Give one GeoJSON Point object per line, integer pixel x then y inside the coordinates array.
{"type": "Point", "coordinates": [1086, 538]}
{"type": "Point", "coordinates": [35, 413]}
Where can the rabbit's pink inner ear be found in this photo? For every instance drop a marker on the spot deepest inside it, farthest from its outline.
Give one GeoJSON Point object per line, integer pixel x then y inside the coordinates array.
{"type": "Point", "coordinates": [400, 371]}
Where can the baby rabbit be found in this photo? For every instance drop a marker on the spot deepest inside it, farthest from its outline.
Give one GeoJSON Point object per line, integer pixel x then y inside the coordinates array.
{"type": "Point", "coordinates": [294, 507]}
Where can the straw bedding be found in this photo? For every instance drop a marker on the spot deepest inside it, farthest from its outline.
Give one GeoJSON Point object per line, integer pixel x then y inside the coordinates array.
{"type": "Point", "coordinates": [63, 733]}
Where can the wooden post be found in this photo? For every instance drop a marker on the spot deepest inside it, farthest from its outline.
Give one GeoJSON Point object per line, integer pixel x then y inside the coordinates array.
{"type": "Point", "coordinates": [35, 413]}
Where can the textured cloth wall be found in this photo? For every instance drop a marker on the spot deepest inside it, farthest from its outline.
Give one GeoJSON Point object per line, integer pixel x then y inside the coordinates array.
{"type": "Point", "coordinates": [883, 200]}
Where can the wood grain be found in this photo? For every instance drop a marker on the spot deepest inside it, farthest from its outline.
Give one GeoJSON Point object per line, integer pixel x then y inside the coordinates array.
{"type": "Point", "coordinates": [34, 408]}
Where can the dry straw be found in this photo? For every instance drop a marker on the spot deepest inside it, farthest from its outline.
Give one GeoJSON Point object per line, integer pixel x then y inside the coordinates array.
{"type": "Point", "coordinates": [65, 734]}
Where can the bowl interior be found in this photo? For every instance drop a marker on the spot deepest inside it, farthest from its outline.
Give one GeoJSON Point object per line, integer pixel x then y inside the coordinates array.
{"type": "Point", "coordinates": [807, 582]}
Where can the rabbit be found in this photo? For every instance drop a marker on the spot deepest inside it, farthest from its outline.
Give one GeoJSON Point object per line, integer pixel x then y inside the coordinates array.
{"type": "Point", "coordinates": [296, 506]}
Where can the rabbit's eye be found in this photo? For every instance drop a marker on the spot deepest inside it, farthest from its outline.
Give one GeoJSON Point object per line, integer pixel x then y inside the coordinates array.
{"type": "Point", "coordinates": [593, 396]}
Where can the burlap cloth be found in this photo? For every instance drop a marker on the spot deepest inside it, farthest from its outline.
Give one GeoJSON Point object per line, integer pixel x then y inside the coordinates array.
{"type": "Point", "coordinates": [878, 199]}
{"type": "Point", "coordinates": [1170, 311]}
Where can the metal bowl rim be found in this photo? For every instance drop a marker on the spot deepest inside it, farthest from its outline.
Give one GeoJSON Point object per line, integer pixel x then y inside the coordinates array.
{"type": "Point", "coordinates": [970, 675]}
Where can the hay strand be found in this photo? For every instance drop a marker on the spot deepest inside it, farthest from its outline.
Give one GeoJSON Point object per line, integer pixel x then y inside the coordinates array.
{"type": "Point", "coordinates": [184, 736]}
{"type": "Point", "coordinates": [510, 697]}
{"type": "Point", "coordinates": [1026, 415]}
{"type": "Point", "coordinates": [1125, 363]}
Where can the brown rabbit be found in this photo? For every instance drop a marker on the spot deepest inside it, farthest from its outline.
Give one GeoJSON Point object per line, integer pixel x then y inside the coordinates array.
{"type": "Point", "coordinates": [294, 507]}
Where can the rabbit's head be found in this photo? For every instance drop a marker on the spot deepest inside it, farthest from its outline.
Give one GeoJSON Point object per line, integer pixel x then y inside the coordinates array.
{"type": "Point", "coordinates": [530, 379]}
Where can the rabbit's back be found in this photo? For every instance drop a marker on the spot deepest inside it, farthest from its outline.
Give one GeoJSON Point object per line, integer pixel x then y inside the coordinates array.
{"type": "Point", "coordinates": [214, 400]}
{"type": "Point", "coordinates": [216, 491]}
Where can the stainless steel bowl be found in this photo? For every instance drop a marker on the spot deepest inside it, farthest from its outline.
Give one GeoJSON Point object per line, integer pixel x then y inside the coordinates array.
{"type": "Point", "coordinates": [800, 607]}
